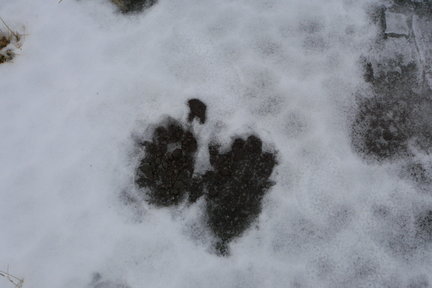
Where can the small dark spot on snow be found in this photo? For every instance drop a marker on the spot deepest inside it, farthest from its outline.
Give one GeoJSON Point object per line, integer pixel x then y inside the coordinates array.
{"type": "Point", "coordinates": [197, 110]}
{"type": "Point", "coordinates": [133, 6]}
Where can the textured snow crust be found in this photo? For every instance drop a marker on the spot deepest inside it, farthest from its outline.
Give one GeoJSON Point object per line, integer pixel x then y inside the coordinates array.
{"type": "Point", "coordinates": [89, 81]}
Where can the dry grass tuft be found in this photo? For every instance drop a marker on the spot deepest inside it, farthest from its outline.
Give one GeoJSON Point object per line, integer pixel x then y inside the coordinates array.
{"type": "Point", "coordinates": [9, 41]}
{"type": "Point", "coordinates": [17, 282]}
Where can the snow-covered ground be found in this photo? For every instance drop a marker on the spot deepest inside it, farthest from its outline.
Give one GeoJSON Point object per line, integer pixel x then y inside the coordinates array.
{"type": "Point", "coordinates": [88, 80]}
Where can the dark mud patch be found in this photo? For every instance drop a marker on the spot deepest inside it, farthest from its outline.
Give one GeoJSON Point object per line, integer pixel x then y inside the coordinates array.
{"type": "Point", "coordinates": [197, 110]}
{"type": "Point", "coordinates": [232, 189]}
{"type": "Point", "coordinates": [236, 187]}
{"type": "Point", "coordinates": [168, 166]}
{"type": "Point", "coordinates": [133, 6]}
{"type": "Point", "coordinates": [396, 117]}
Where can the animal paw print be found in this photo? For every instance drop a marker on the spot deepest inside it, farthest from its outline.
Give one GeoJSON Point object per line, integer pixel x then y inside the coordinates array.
{"type": "Point", "coordinates": [236, 187]}
{"type": "Point", "coordinates": [233, 189]}
{"type": "Point", "coordinates": [167, 169]}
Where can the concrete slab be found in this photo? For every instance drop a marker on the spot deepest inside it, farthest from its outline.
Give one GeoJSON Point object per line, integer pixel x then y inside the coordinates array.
{"type": "Point", "coordinates": [396, 24]}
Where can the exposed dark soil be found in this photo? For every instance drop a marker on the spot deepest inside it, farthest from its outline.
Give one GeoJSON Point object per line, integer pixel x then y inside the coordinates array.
{"type": "Point", "coordinates": [233, 189]}
{"type": "Point", "coordinates": [197, 110]}
{"type": "Point", "coordinates": [168, 166]}
{"type": "Point", "coordinates": [133, 6]}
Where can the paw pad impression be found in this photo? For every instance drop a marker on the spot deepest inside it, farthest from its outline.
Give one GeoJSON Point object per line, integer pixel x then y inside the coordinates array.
{"type": "Point", "coordinates": [232, 189]}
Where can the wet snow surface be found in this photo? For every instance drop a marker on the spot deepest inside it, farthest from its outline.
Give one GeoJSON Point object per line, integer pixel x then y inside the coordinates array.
{"type": "Point", "coordinates": [241, 143]}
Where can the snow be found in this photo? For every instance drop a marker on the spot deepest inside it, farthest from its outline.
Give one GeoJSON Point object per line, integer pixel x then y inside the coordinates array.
{"type": "Point", "coordinates": [88, 79]}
